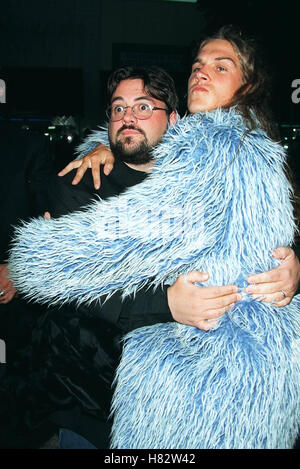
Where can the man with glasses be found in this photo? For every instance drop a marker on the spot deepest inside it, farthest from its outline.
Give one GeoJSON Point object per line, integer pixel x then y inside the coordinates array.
{"type": "Point", "coordinates": [143, 105]}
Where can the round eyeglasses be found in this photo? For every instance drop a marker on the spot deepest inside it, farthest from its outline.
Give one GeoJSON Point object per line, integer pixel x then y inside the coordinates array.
{"type": "Point", "coordinates": [116, 112]}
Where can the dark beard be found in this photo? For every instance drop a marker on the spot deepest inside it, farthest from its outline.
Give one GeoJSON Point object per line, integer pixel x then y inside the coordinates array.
{"type": "Point", "coordinates": [139, 155]}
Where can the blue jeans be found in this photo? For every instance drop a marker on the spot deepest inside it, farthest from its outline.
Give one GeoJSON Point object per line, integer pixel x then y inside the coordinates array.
{"type": "Point", "coordinates": [70, 440]}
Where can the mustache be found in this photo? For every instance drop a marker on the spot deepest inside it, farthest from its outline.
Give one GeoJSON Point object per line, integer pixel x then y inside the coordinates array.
{"type": "Point", "coordinates": [131, 127]}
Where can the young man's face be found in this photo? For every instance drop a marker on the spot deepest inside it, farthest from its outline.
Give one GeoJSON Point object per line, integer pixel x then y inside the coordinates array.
{"type": "Point", "coordinates": [216, 76]}
{"type": "Point", "coordinates": [131, 133]}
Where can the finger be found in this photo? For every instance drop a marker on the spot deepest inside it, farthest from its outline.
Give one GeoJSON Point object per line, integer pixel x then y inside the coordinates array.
{"type": "Point", "coordinates": [4, 295]}
{"type": "Point", "coordinates": [282, 303]}
{"type": "Point", "coordinates": [108, 167]}
{"type": "Point", "coordinates": [264, 277]}
{"type": "Point", "coordinates": [263, 288]}
{"type": "Point", "coordinates": [195, 276]}
{"type": "Point", "coordinates": [80, 172]}
{"type": "Point", "coordinates": [274, 299]}
{"type": "Point", "coordinates": [206, 325]}
{"type": "Point", "coordinates": [8, 297]}
{"type": "Point", "coordinates": [278, 297]}
{"type": "Point", "coordinates": [96, 175]}
{"type": "Point", "coordinates": [217, 313]}
{"type": "Point", "coordinates": [72, 165]}
{"type": "Point", "coordinates": [282, 253]}
{"type": "Point", "coordinates": [216, 306]}
{"type": "Point", "coordinates": [47, 216]}
{"type": "Point", "coordinates": [209, 292]}
{"type": "Point", "coordinates": [5, 284]}
{"type": "Point", "coordinates": [223, 294]}
{"type": "Point", "coordinates": [226, 300]}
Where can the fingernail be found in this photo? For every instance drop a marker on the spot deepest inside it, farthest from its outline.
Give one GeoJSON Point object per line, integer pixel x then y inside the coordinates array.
{"type": "Point", "coordinates": [257, 297]}
{"type": "Point", "coordinates": [251, 280]}
{"type": "Point", "coordinates": [239, 296]}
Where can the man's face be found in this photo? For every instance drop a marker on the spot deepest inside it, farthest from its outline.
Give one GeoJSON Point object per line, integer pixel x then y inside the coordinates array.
{"type": "Point", "coordinates": [135, 137]}
{"type": "Point", "coordinates": [216, 76]}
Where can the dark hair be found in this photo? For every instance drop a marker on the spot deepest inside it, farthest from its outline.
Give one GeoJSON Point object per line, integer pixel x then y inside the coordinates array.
{"type": "Point", "coordinates": [157, 82]}
{"type": "Point", "coordinates": [254, 94]}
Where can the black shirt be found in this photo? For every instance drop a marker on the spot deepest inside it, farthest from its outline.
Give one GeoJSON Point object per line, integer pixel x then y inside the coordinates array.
{"type": "Point", "coordinates": [62, 197]}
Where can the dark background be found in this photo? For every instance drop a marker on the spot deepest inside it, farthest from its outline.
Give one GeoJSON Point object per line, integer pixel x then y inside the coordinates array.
{"type": "Point", "coordinates": [55, 55]}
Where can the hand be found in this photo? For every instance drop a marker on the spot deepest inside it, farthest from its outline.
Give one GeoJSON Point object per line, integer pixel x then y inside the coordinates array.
{"type": "Point", "coordinates": [277, 286]}
{"type": "Point", "coordinates": [200, 306]}
{"type": "Point", "coordinates": [100, 155]}
{"type": "Point", "coordinates": [6, 286]}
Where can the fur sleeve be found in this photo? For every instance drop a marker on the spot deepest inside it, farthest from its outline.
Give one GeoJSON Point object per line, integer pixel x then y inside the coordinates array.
{"type": "Point", "coordinates": [214, 202]}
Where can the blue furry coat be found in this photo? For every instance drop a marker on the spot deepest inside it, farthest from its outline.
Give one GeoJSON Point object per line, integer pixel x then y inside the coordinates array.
{"type": "Point", "coordinates": [217, 201]}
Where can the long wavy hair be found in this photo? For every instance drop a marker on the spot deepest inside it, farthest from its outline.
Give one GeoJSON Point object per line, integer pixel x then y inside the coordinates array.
{"type": "Point", "coordinates": [254, 96]}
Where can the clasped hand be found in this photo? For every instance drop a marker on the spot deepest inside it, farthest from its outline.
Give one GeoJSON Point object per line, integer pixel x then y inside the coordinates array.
{"type": "Point", "coordinates": [203, 306]}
